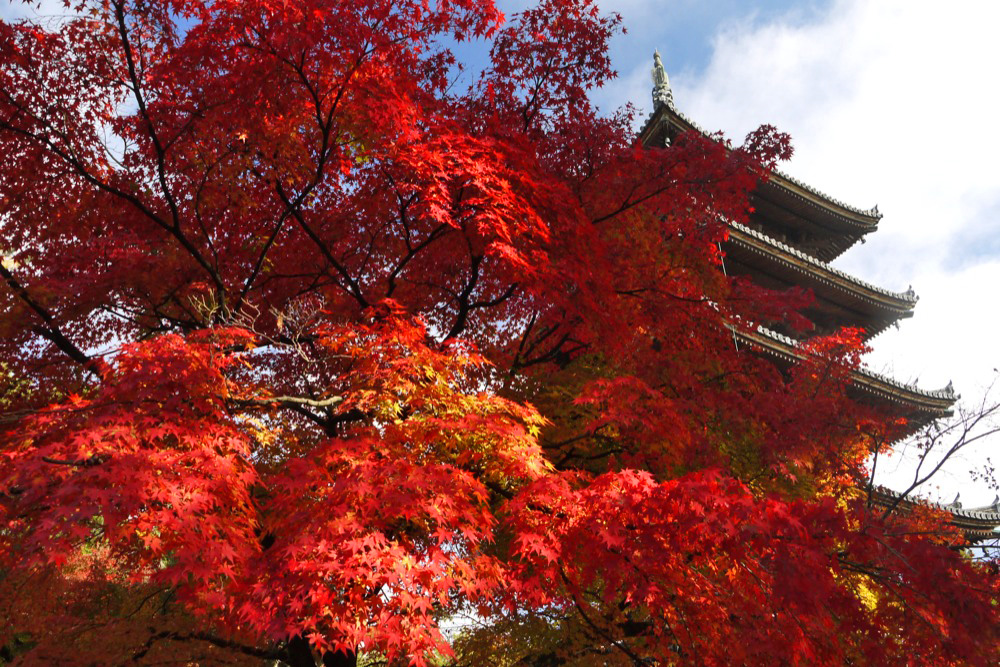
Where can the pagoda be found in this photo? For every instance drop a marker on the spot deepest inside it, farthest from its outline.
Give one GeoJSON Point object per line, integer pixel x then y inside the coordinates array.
{"type": "Point", "coordinates": [793, 233]}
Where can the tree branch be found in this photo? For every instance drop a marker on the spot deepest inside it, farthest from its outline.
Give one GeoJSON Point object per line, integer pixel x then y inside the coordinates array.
{"type": "Point", "coordinates": [50, 331]}
{"type": "Point", "coordinates": [293, 400]}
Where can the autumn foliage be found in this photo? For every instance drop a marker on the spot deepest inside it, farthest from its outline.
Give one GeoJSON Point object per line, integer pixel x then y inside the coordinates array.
{"type": "Point", "coordinates": [316, 350]}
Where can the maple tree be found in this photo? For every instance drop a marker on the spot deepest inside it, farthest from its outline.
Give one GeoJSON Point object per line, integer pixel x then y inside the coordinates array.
{"type": "Point", "coordinates": [306, 352]}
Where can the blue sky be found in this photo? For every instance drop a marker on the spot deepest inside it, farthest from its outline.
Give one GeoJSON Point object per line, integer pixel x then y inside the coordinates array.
{"type": "Point", "coordinates": [684, 28]}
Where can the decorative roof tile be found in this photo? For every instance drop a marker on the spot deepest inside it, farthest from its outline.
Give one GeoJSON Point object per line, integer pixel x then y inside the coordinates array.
{"type": "Point", "coordinates": [872, 212]}
{"type": "Point", "coordinates": [909, 295]}
{"type": "Point", "coordinates": [946, 393]}
{"type": "Point", "coordinates": [990, 513]}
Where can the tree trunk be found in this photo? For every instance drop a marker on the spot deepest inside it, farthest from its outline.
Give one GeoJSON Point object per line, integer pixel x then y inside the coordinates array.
{"type": "Point", "coordinates": [340, 659]}
{"type": "Point", "coordinates": [298, 653]}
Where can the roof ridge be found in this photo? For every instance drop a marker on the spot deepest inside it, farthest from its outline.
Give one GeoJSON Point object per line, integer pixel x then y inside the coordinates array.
{"type": "Point", "coordinates": [909, 295]}
{"type": "Point", "coordinates": [947, 392]}
{"type": "Point", "coordinates": [872, 212]}
{"type": "Point", "coordinates": [988, 512]}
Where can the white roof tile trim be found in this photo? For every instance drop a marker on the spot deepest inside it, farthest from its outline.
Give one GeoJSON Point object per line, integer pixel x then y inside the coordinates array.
{"type": "Point", "coordinates": [871, 212]}
{"type": "Point", "coordinates": [908, 296]}
{"type": "Point", "coordinates": [947, 392]}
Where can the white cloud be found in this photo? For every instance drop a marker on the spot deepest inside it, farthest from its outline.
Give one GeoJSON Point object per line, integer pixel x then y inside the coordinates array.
{"type": "Point", "coordinates": [891, 102]}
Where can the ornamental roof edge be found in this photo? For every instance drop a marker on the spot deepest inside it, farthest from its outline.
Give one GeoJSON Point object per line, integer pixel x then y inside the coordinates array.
{"type": "Point", "coordinates": [989, 513]}
{"type": "Point", "coordinates": [946, 393]}
{"type": "Point", "coordinates": [872, 212]}
{"type": "Point", "coordinates": [909, 296]}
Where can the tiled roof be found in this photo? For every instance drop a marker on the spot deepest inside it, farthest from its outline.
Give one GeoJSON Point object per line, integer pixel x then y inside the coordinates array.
{"type": "Point", "coordinates": [979, 523]}
{"type": "Point", "coordinates": [872, 212]}
{"type": "Point", "coordinates": [908, 296]}
{"type": "Point", "coordinates": [989, 512]}
{"type": "Point", "coordinates": [946, 393]}
{"type": "Point", "coordinates": [869, 213]}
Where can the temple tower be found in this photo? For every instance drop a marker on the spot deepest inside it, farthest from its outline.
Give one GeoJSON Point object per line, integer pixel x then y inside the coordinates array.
{"type": "Point", "coordinates": [793, 234]}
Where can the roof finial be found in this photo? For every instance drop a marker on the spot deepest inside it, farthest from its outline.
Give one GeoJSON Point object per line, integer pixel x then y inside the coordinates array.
{"type": "Point", "coordinates": [662, 95]}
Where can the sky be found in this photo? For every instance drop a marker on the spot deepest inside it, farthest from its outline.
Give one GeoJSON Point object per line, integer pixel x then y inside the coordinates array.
{"type": "Point", "coordinates": [889, 102]}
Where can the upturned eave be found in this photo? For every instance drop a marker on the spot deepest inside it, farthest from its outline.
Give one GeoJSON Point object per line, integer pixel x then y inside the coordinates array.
{"type": "Point", "coordinates": [876, 308]}
{"type": "Point", "coordinates": [918, 406]}
{"type": "Point", "coordinates": [833, 225]}
{"type": "Point", "coordinates": [977, 523]}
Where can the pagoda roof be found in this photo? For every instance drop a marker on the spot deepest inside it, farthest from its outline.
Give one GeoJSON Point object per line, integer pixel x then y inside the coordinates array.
{"type": "Point", "coordinates": [919, 405]}
{"type": "Point", "coordinates": [978, 523]}
{"type": "Point", "coordinates": [881, 306]}
{"type": "Point", "coordinates": [813, 228]}
{"type": "Point", "coordinates": [835, 225]}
